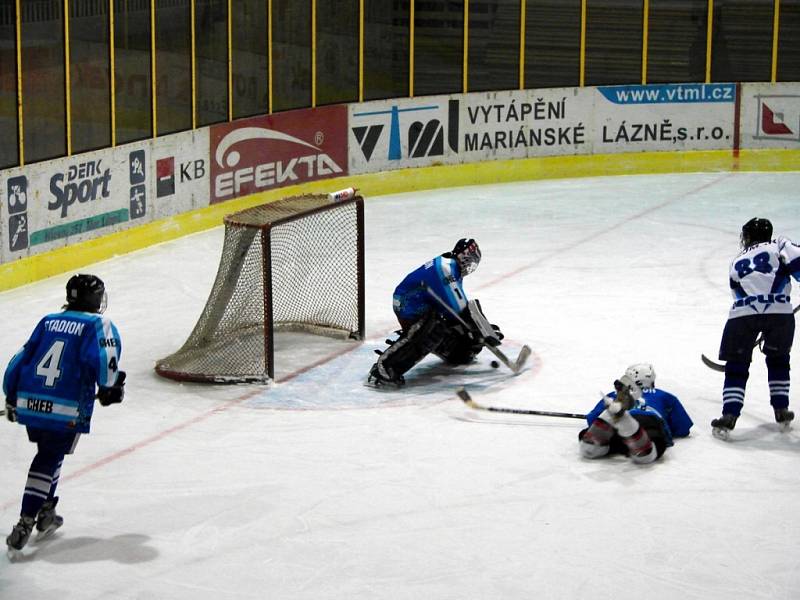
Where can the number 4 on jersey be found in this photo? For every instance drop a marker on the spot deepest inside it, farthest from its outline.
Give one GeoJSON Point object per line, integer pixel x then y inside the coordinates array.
{"type": "Point", "coordinates": [49, 366]}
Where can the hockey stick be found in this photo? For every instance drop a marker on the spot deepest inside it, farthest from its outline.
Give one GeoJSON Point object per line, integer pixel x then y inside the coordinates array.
{"type": "Point", "coordinates": [515, 365]}
{"type": "Point", "coordinates": [467, 399]}
{"type": "Point", "coordinates": [721, 366]}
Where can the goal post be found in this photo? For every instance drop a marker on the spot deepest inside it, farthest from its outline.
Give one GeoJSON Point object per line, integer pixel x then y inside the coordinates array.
{"type": "Point", "coordinates": [295, 265]}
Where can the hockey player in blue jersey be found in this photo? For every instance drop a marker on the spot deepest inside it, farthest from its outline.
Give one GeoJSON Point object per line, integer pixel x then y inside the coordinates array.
{"type": "Point", "coordinates": [426, 303]}
{"type": "Point", "coordinates": [637, 419]}
{"type": "Point", "coordinates": [50, 387]}
{"type": "Point", "coordinates": [760, 281]}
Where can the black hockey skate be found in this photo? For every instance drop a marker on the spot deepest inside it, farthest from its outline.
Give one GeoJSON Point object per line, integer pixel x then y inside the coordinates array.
{"type": "Point", "coordinates": [19, 536]}
{"type": "Point", "coordinates": [380, 377]}
{"type": "Point", "coordinates": [722, 427]}
{"type": "Point", "coordinates": [48, 521]}
{"type": "Point", "coordinates": [784, 417]}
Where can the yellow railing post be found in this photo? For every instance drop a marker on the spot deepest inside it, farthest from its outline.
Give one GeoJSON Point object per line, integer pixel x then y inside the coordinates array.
{"type": "Point", "coordinates": [522, 44]}
{"type": "Point", "coordinates": [313, 53]}
{"type": "Point", "coordinates": [67, 80]}
{"type": "Point", "coordinates": [153, 99]}
{"type": "Point", "coordinates": [411, 49]}
{"type": "Point", "coordinates": [230, 62]}
{"type": "Point", "coordinates": [269, 56]}
{"type": "Point", "coordinates": [20, 128]}
{"type": "Point", "coordinates": [709, 41]}
{"type": "Point", "coordinates": [111, 74]}
{"type": "Point", "coordinates": [582, 77]}
{"type": "Point", "coordinates": [465, 53]}
{"type": "Point", "coordinates": [645, 32]}
{"type": "Point", "coordinates": [776, 26]}
{"type": "Point", "coordinates": [360, 50]}
{"type": "Point", "coordinates": [193, 50]}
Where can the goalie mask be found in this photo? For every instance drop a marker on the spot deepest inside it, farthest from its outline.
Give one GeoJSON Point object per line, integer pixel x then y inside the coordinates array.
{"type": "Point", "coordinates": [643, 375]}
{"type": "Point", "coordinates": [86, 293]}
{"type": "Point", "coordinates": [468, 255]}
{"type": "Point", "coordinates": [756, 231]}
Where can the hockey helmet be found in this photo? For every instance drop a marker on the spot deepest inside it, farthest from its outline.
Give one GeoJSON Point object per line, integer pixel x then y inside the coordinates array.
{"type": "Point", "coordinates": [756, 231]}
{"type": "Point", "coordinates": [86, 293]}
{"type": "Point", "coordinates": [643, 375]}
{"type": "Point", "coordinates": [468, 255]}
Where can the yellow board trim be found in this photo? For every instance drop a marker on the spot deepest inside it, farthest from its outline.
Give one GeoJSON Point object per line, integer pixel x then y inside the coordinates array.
{"type": "Point", "coordinates": [63, 260]}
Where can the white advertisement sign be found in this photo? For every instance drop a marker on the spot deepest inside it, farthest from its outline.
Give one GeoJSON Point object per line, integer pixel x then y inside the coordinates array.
{"type": "Point", "coordinates": [415, 132]}
{"type": "Point", "coordinates": [68, 200]}
{"type": "Point", "coordinates": [770, 115]}
{"type": "Point", "coordinates": [180, 173]}
{"type": "Point", "coordinates": [396, 134]}
{"type": "Point", "coordinates": [670, 117]}
{"type": "Point", "coordinates": [526, 123]}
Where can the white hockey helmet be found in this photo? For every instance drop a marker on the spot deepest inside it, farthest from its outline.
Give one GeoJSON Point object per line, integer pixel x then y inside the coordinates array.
{"type": "Point", "coordinates": [643, 375]}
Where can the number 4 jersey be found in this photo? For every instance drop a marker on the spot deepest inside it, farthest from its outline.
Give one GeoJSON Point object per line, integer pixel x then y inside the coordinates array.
{"type": "Point", "coordinates": [760, 278]}
{"type": "Point", "coordinates": [52, 378]}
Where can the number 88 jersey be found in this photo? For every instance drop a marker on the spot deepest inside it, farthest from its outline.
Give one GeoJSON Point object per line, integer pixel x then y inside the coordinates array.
{"type": "Point", "coordinates": [52, 378]}
{"type": "Point", "coordinates": [760, 278]}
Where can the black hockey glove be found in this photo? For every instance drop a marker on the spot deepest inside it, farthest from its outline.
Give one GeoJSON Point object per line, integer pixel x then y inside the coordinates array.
{"type": "Point", "coordinates": [11, 412]}
{"type": "Point", "coordinates": [113, 394]}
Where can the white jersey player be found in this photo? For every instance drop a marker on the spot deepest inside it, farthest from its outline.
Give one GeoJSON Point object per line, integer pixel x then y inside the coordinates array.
{"type": "Point", "coordinates": [760, 280]}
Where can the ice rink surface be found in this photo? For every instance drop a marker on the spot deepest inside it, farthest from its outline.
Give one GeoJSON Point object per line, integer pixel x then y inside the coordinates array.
{"type": "Point", "coordinates": [322, 488]}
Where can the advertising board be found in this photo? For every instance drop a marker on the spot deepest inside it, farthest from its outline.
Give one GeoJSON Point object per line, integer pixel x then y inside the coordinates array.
{"type": "Point", "coordinates": [277, 150]}
{"type": "Point", "coordinates": [770, 115]}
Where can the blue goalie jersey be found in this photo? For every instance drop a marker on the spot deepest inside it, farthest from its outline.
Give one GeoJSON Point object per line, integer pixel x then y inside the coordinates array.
{"type": "Point", "coordinates": [655, 401]}
{"type": "Point", "coordinates": [53, 378]}
{"type": "Point", "coordinates": [442, 276]}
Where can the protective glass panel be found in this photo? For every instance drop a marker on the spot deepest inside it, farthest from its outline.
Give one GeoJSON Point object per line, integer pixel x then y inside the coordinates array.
{"type": "Point", "coordinates": [291, 54]}
{"type": "Point", "coordinates": [742, 40]}
{"type": "Point", "coordinates": [677, 41]}
{"type": "Point", "coordinates": [493, 45]}
{"type": "Point", "coordinates": [386, 33]}
{"type": "Point", "coordinates": [789, 41]}
{"type": "Point", "coordinates": [43, 79]}
{"type": "Point", "coordinates": [438, 47]}
{"type": "Point", "coordinates": [173, 66]}
{"type": "Point", "coordinates": [90, 86]}
{"type": "Point", "coordinates": [211, 34]}
{"type": "Point", "coordinates": [250, 68]}
{"type": "Point", "coordinates": [337, 51]}
{"type": "Point", "coordinates": [9, 149]}
{"type": "Point", "coordinates": [132, 90]}
{"type": "Point", "coordinates": [613, 42]}
{"type": "Point", "coordinates": [552, 43]}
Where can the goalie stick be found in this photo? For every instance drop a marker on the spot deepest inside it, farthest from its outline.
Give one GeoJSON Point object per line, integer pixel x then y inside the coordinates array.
{"type": "Point", "coordinates": [721, 366]}
{"type": "Point", "coordinates": [515, 365]}
{"type": "Point", "coordinates": [467, 399]}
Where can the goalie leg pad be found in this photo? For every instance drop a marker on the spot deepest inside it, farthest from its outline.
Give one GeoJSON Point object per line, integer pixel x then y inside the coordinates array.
{"type": "Point", "coordinates": [594, 441]}
{"type": "Point", "coordinates": [414, 344]}
{"type": "Point", "coordinates": [637, 440]}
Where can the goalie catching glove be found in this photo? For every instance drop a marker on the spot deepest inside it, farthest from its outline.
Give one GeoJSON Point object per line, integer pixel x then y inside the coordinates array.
{"type": "Point", "coordinates": [113, 394]}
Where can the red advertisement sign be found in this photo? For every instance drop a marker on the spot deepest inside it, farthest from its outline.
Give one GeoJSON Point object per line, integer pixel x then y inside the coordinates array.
{"type": "Point", "coordinates": [270, 151]}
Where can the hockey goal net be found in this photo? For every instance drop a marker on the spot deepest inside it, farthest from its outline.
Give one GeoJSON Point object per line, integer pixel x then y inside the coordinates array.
{"type": "Point", "coordinates": [292, 265]}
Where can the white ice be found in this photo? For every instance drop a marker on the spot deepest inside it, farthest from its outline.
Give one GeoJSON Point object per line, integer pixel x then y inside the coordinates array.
{"type": "Point", "coordinates": [215, 492]}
